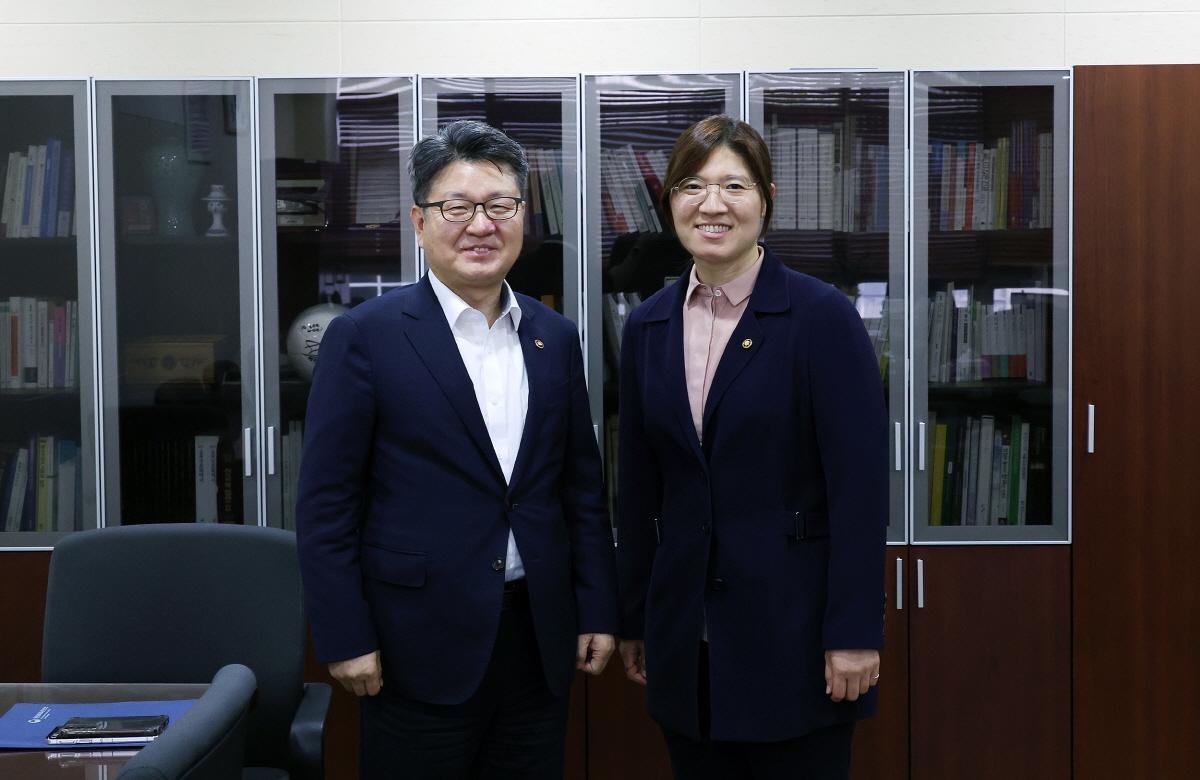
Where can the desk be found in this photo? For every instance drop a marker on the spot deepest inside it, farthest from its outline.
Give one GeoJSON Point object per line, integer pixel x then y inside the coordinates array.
{"type": "Point", "coordinates": [77, 761]}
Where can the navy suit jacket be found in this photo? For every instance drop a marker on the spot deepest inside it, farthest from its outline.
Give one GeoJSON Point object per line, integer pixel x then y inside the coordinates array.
{"type": "Point", "coordinates": [774, 529]}
{"type": "Point", "coordinates": [403, 513]}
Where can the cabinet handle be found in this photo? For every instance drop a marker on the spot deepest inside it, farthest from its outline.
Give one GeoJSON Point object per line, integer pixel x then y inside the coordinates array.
{"type": "Point", "coordinates": [1091, 428]}
{"type": "Point", "coordinates": [246, 444]}
{"type": "Point", "coordinates": [271, 450]}
{"type": "Point", "coordinates": [920, 583]}
{"type": "Point", "coordinates": [921, 445]}
{"type": "Point", "coordinates": [898, 461]}
{"type": "Point", "coordinates": [899, 583]}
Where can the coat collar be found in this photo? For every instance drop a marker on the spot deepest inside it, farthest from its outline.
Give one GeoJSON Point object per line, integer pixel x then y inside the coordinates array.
{"type": "Point", "coordinates": [770, 291]}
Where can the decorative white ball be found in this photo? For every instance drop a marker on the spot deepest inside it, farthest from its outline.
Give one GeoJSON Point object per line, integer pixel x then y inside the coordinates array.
{"type": "Point", "coordinates": [305, 333]}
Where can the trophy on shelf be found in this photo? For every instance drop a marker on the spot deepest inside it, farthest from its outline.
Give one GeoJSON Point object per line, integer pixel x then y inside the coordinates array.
{"type": "Point", "coordinates": [217, 201]}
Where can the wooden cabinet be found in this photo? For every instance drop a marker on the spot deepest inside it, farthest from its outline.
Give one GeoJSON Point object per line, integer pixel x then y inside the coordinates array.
{"type": "Point", "coordinates": [1136, 583]}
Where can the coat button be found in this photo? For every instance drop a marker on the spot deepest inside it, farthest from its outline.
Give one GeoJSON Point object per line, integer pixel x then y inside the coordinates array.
{"type": "Point", "coordinates": [706, 529]}
{"type": "Point", "coordinates": [513, 506]}
{"type": "Point", "coordinates": [716, 585]}
{"type": "Point", "coordinates": [498, 564]}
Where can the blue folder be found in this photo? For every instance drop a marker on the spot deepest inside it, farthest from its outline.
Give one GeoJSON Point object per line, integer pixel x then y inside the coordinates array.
{"type": "Point", "coordinates": [26, 725]}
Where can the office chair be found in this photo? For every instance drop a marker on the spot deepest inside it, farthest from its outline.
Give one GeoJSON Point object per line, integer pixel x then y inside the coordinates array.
{"type": "Point", "coordinates": [208, 742]}
{"type": "Point", "coordinates": [174, 603]}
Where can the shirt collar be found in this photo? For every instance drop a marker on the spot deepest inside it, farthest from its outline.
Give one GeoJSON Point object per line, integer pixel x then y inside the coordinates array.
{"type": "Point", "coordinates": [454, 306]}
{"type": "Point", "coordinates": [736, 289]}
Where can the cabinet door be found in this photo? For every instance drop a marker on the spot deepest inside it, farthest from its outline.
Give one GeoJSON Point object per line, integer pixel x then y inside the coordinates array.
{"type": "Point", "coordinates": [1136, 581]}
{"type": "Point", "coordinates": [176, 227]}
{"type": "Point", "coordinates": [990, 664]}
{"type": "Point", "coordinates": [47, 411]}
{"type": "Point", "coordinates": [837, 143]}
{"type": "Point", "coordinates": [333, 156]}
{"type": "Point", "coordinates": [991, 305]}
{"type": "Point", "coordinates": [623, 742]}
{"type": "Point", "coordinates": [881, 742]}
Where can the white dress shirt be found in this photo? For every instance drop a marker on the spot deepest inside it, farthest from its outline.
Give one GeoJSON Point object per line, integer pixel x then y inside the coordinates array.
{"type": "Point", "coordinates": [496, 365]}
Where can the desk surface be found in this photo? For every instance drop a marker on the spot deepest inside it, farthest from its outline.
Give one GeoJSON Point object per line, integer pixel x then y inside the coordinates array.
{"type": "Point", "coordinates": [76, 761]}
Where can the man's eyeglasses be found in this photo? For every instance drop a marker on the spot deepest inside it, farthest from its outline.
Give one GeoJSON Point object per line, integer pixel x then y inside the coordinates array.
{"type": "Point", "coordinates": [694, 190]}
{"type": "Point", "coordinates": [457, 210]}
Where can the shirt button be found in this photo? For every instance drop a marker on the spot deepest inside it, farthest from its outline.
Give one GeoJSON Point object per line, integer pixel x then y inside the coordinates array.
{"type": "Point", "coordinates": [498, 564]}
{"type": "Point", "coordinates": [717, 293]}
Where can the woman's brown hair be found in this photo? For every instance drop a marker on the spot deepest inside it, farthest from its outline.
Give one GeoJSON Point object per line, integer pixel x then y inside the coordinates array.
{"type": "Point", "coordinates": [700, 140]}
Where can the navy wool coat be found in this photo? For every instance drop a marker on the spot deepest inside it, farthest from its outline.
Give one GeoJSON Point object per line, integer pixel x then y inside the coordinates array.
{"type": "Point", "coordinates": [773, 530]}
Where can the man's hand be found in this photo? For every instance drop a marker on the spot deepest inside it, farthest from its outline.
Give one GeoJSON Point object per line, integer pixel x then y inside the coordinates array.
{"type": "Point", "coordinates": [362, 676]}
{"type": "Point", "coordinates": [633, 656]}
{"type": "Point", "coordinates": [593, 651]}
{"type": "Point", "coordinates": [850, 673]}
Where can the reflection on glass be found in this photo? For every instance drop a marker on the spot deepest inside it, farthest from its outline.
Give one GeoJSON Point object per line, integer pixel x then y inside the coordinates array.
{"type": "Point", "coordinates": [43, 464]}
{"type": "Point", "coordinates": [335, 154]}
{"type": "Point", "coordinates": [994, 333]}
{"type": "Point", "coordinates": [178, 254]}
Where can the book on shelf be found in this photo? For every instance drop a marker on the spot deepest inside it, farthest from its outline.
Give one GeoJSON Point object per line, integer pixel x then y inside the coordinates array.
{"type": "Point", "coordinates": [997, 184]}
{"type": "Point", "coordinates": [971, 341]}
{"type": "Point", "coordinates": [39, 191]}
{"type": "Point", "coordinates": [41, 484]}
{"type": "Point", "coordinates": [38, 343]}
{"type": "Point", "coordinates": [205, 467]}
{"type": "Point", "coordinates": [631, 182]}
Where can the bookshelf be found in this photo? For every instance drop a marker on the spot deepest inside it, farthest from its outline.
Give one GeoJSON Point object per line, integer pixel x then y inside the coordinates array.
{"type": "Point", "coordinates": [47, 441]}
{"type": "Point", "coordinates": [541, 114]}
{"type": "Point", "coordinates": [335, 198]}
{"type": "Point", "coordinates": [176, 298]}
{"type": "Point", "coordinates": [837, 143]}
{"type": "Point", "coordinates": [991, 295]}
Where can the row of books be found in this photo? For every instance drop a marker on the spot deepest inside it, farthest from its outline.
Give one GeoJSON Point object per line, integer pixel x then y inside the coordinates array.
{"type": "Point", "coordinates": [970, 341]}
{"type": "Point", "coordinates": [41, 484]}
{"type": "Point", "coordinates": [544, 192]}
{"type": "Point", "coordinates": [181, 478]}
{"type": "Point", "coordinates": [631, 187]}
{"type": "Point", "coordinates": [292, 445]}
{"type": "Point", "coordinates": [1007, 185]}
{"type": "Point", "coordinates": [989, 470]}
{"type": "Point", "coordinates": [617, 308]}
{"type": "Point", "coordinates": [828, 178]}
{"type": "Point", "coordinates": [39, 343]}
{"type": "Point", "coordinates": [39, 192]}
{"type": "Point", "coordinates": [879, 331]}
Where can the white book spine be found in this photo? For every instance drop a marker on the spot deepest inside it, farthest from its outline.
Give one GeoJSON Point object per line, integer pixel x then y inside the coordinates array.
{"type": "Point", "coordinates": [987, 442]}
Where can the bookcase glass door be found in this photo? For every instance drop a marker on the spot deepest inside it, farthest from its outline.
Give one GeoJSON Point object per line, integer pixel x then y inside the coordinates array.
{"type": "Point", "coordinates": [631, 124]}
{"type": "Point", "coordinates": [541, 114]}
{"type": "Point", "coordinates": [837, 149]}
{"type": "Point", "coordinates": [176, 232]}
{"type": "Point", "coordinates": [333, 158]}
{"type": "Point", "coordinates": [991, 313]}
{"type": "Point", "coordinates": [47, 423]}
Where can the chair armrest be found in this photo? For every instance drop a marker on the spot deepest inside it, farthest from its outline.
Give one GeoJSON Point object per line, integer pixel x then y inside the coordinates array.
{"type": "Point", "coordinates": [306, 741]}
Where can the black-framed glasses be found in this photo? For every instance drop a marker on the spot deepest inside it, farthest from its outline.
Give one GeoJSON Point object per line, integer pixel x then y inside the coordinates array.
{"type": "Point", "coordinates": [694, 190]}
{"type": "Point", "coordinates": [459, 210]}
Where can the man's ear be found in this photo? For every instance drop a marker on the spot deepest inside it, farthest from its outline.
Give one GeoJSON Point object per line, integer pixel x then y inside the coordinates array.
{"type": "Point", "coordinates": [417, 215]}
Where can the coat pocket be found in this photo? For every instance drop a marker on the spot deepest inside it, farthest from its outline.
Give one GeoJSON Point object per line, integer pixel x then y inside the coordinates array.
{"type": "Point", "coordinates": [808, 526]}
{"type": "Point", "coordinates": [395, 567]}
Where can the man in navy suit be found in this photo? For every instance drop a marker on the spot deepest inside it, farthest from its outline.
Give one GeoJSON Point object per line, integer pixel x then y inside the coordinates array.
{"type": "Point", "coordinates": [455, 550]}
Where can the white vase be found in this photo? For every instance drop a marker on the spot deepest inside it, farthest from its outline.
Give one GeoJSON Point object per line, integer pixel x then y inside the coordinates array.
{"type": "Point", "coordinates": [173, 182]}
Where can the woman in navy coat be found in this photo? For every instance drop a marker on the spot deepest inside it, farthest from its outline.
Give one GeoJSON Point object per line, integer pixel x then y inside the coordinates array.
{"type": "Point", "coordinates": [752, 488]}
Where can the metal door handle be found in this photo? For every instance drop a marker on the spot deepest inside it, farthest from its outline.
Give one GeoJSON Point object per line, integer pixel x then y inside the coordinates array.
{"type": "Point", "coordinates": [899, 583]}
{"type": "Point", "coordinates": [247, 442]}
{"type": "Point", "coordinates": [898, 456]}
{"type": "Point", "coordinates": [920, 583]}
{"type": "Point", "coordinates": [1091, 428]}
{"type": "Point", "coordinates": [921, 445]}
{"type": "Point", "coordinates": [271, 450]}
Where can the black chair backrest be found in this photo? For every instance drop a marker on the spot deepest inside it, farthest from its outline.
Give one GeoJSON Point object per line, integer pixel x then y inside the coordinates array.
{"type": "Point", "coordinates": [173, 603]}
{"type": "Point", "coordinates": [208, 742]}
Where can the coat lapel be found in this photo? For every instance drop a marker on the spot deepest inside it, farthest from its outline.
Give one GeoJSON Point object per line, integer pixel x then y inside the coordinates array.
{"type": "Point", "coordinates": [431, 338]}
{"type": "Point", "coordinates": [769, 296]}
{"type": "Point", "coordinates": [669, 311]}
{"type": "Point", "coordinates": [538, 373]}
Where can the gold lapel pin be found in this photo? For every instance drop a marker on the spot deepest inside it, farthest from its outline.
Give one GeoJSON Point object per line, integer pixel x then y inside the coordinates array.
{"type": "Point", "coordinates": [747, 344]}
{"type": "Point", "coordinates": [539, 343]}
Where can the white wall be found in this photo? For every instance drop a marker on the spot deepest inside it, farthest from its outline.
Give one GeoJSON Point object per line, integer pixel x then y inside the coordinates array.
{"type": "Point", "coordinates": [115, 38]}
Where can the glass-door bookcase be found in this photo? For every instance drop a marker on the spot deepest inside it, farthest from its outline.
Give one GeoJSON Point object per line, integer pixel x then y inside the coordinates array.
{"type": "Point", "coordinates": [176, 237]}
{"type": "Point", "coordinates": [991, 318]}
{"type": "Point", "coordinates": [47, 409]}
{"type": "Point", "coordinates": [837, 143]}
{"type": "Point", "coordinates": [335, 199]}
{"type": "Point", "coordinates": [541, 114]}
{"type": "Point", "coordinates": [631, 122]}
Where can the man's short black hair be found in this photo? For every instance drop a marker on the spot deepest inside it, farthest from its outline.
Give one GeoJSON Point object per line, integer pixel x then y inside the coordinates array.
{"type": "Point", "coordinates": [466, 140]}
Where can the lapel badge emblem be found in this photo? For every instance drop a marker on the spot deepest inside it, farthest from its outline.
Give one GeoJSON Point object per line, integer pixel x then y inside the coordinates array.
{"type": "Point", "coordinates": [539, 343]}
{"type": "Point", "coordinates": [747, 344]}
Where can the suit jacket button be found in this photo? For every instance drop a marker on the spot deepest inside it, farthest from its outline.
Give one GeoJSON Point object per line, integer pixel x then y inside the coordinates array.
{"type": "Point", "coordinates": [513, 506]}
{"type": "Point", "coordinates": [716, 585]}
{"type": "Point", "coordinates": [498, 564]}
{"type": "Point", "coordinates": [706, 529]}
